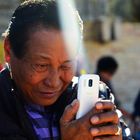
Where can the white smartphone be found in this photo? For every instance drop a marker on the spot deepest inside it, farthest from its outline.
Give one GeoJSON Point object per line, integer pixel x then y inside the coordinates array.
{"type": "Point", "coordinates": [88, 93]}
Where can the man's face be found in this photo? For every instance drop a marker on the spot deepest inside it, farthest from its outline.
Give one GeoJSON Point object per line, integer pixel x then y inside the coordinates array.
{"type": "Point", "coordinates": [46, 69]}
{"type": "Point", "coordinates": [106, 75]}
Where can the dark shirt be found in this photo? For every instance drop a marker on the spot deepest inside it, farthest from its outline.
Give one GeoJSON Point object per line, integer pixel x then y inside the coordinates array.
{"type": "Point", "coordinates": [137, 106]}
{"type": "Point", "coordinates": [109, 84]}
{"type": "Point", "coordinates": [15, 122]}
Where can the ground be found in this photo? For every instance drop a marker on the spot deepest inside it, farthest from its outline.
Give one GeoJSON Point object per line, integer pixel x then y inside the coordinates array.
{"type": "Point", "coordinates": [127, 52]}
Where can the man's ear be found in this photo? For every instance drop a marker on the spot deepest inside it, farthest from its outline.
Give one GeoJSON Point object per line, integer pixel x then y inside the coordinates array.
{"type": "Point", "coordinates": [7, 50]}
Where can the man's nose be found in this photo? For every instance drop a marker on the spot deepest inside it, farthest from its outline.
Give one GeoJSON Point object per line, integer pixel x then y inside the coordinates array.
{"type": "Point", "coordinates": [53, 79]}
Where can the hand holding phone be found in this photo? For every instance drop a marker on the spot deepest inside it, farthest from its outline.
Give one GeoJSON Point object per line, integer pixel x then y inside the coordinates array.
{"type": "Point", "coordinates": [88, 93]}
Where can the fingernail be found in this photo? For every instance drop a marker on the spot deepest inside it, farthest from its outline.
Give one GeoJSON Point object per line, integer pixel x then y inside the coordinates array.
{"type": "Point", "coordinates": [94, 119]}
{"type": "Point", "coordinates": [94, 131]}
{"type": "Point", "coordinates": [74, 102]}
{"type": "Point", "coordinates": [99, 105]}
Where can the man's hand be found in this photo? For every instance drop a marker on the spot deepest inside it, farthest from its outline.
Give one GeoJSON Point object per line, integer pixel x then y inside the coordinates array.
{"type": "Point", "coordinates": [101, 123]}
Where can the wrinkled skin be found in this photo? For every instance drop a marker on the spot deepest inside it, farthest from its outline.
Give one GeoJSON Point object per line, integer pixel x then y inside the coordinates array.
{"type": "Point", "coordinates": [104, 123]}
{"type": "Point", "coordinates": [46, 69]}
{"type": "Point", "coordinates": [44, 73]}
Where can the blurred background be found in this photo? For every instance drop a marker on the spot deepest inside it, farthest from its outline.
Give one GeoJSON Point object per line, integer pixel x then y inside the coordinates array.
{"type": "Point", "coordinates": [111, 27]}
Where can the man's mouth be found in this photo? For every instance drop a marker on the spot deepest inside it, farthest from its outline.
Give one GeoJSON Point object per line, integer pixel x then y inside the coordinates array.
{"type": "Point", "coordinates": [48, 95]}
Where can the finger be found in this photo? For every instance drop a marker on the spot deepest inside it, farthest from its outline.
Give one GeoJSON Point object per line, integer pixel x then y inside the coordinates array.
{"type": "Point", "coordinates": [105, 105]}
{"type": "Point", "coordinates": [105, 117]}
{"type": "Point", "coordinates": [109, 138]}
{"type": "Point", "coordinates": [70, 112]}
{"type": "Point", "coordinates": [106, 130]}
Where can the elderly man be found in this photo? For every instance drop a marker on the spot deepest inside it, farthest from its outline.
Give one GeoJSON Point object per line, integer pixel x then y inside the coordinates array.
{"type": "Point", "coordinates": [37, 97]}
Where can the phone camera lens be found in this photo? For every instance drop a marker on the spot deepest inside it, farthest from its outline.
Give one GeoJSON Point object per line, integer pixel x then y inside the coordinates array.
{"type": "Point", "coordinates": [90, 82]}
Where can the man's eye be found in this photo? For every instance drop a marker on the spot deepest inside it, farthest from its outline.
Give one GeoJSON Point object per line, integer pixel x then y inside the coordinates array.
{"type": "Point", "coordinates": [40, 67]}
{"type": "Point", "coordinates": [66, 67]}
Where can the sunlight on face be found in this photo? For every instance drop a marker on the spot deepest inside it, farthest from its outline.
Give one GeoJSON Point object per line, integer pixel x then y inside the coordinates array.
{"type": "Point", "coordinates": [47, 68]}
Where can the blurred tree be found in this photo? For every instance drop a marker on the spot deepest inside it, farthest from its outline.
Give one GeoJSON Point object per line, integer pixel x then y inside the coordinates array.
{"type": "Point", "coordinates": [136, 9]}
{"type": "Point", "coordinates": [111, 8]}
{"type": "Point", "coordinates": [122, 8]}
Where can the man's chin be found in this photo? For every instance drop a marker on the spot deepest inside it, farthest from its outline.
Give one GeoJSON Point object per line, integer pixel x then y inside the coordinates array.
{"type": "Point", "coordinates": [46, 102]}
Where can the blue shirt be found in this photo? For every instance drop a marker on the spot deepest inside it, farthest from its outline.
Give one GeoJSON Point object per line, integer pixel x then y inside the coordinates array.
{"type": "Point", "coordinates": [43, 121]}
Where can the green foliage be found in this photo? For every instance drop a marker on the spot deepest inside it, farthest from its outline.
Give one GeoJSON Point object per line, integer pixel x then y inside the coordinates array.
{"type": "Point", "coordinates": [1, 52]}
{"type": "Point", "coordinates": [122, 8]}
{"type": "Point", "coordinates": [136, 9]}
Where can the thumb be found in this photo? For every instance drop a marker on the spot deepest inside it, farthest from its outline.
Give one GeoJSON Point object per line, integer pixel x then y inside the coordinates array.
{"type": "Point", "coordinates": [70, 112]}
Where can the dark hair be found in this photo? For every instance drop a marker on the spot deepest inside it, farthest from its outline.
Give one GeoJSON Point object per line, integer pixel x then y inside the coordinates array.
{"type": "Point", "coordinates": [107, 64]}
{"type": "Point", "coordinates": [30, 15]}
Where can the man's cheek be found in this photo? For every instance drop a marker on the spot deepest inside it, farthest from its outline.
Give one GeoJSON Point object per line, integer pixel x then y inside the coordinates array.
{"type": "Point", "coordinates": [68, 77]}
{"type": "Point", "coordinates": [31, 78]}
